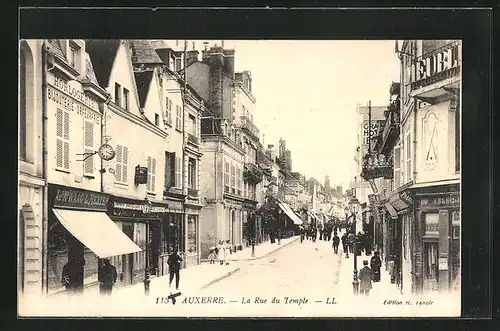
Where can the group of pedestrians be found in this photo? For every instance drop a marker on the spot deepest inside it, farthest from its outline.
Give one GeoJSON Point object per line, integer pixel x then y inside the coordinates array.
{"type": "Point", "coordinates": [220, 253]}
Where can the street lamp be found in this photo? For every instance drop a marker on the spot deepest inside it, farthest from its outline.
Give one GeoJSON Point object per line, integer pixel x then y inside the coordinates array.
{"type": "Point", "coordinates": [346, 211]}
{"type": "Point", "coordinates": [354, 208]}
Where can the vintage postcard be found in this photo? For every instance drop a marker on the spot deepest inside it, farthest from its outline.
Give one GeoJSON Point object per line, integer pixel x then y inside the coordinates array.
{"type": "Point", "coordinates": [239, 178]}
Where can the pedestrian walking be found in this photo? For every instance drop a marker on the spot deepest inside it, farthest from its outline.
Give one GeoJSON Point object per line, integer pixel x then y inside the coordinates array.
{"type": "Point", "coordinates": [302, 233]}
{"type": "Point", "coordinates": [227, 250]}
{"type": "Point", "coordinates": [365, 279]}
{"type": "Point", "coordinates": [212, 256]}
{"type": "Point", "coordinates": [221, 255]}
{"type": "Point", "coordinates": [351, 238]}
{"type": "Point", "coordinates": [174, 267]}
{"type": "Point", "coordinates": [336, 241]}
{"type": "Point", "coordinates": [375, 264]}
{"type": "Point", "coordinates": [345, 246]}
{"type": "Point", "coordinates": [314, 234]}
{"type": "Point", "coordinates": [107, 277]}
{"type": "Point", "coordinates": [72, 275]}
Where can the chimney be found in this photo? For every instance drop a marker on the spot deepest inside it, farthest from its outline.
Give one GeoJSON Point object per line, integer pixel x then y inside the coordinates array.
{"type": "Point", "coordinates": [191, 57]}
{"type": "Point", "coordinates": [215, 60]}
{"type": "Point", "coordinates": [229, 62]}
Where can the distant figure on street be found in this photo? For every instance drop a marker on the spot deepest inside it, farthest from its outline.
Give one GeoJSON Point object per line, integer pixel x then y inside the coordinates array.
{"type": "Point", "coordinates": [72, 275]}
{"type": "Point", "coordinates": [361, 242]}
{"type": "Point", "coordinates": [336, 241]}
{"type": "Point", "coordinates": [365, 279]}
{"type": "Point", "coordinates": [174, 267]}
{"type": "Point", "coordinates": [368, 244]}
{"type": "Point", "coordinates": [227, 250]}
{"type": "Point", "coordinates": [107, 277]}
{"type": "Point", "coordinates": [375, 264]}
{"type": "Point", "coordinates": [350, 241]}
{"type": "Point", "coordinates": [212, 256]}
{"type": "Point", "coordinates": [314, 234]}
{"type": "Point", "coordinates": [302, 233]}
{"type": "Point", "coordinates": [221, 255]}
{"type": "Point", "coordinates": [345, 246]}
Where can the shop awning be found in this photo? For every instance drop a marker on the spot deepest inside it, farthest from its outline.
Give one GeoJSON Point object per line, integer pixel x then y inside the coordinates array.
{"type": "Point", "coordinates": [96, 231]}
{"type": "Point", "coordinates": [290, 213]}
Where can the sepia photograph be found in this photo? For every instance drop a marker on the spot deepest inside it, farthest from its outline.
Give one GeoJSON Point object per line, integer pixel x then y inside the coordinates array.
{"type": "Point", "coordinates": [239, 178]}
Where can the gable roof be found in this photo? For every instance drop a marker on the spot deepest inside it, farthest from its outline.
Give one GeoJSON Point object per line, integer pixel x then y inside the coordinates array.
{"type": "Point", "coordinates": [144, 51]}
{"type": "Point", "coordinates": [143, 81]}
{"type": "Point", "coordinates": [102, 53]}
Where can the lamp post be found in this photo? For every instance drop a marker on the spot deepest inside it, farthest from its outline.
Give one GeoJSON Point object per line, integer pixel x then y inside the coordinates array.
{"type": "Point", "coordinates": [346, 211]}
{"type": "Point", "coordinates": [354, 207]}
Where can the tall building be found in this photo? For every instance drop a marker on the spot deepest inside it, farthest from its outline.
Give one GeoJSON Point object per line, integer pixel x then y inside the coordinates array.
{"type": "Point", "coordinates": [223, 147]}
{"type": "Point", "coordinates": [327, 183]}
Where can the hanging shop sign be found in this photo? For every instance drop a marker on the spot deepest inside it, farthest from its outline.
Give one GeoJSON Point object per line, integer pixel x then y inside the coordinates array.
{"type": "Point", "coordinates": [74, 198]}
{"type": "Point", "coordinates": [449, 199]}
{"type": "Point", "coordinates": [370, 130]}
{"type": "Point", "coordinates": [141, 175]}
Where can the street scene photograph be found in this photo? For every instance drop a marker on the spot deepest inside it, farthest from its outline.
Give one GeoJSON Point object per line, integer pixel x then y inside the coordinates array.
{"type": "Point", "coordinates": [239, 178]}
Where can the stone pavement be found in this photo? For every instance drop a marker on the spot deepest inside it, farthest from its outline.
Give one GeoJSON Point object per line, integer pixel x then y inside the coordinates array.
{"type": "Point", "coordinates": [261, 250]}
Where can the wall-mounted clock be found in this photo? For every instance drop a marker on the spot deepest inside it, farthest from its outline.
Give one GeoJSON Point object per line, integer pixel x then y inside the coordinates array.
{"type": "Point", "coordinates": [106, 152]}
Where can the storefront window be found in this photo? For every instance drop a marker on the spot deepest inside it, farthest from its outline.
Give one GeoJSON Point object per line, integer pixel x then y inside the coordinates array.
{"type": "Point", "coordinates": [192, 234]}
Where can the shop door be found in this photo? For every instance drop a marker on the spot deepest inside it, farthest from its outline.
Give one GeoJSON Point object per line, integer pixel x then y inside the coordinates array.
{"type": "Point", "coordinates": [128, 259]}
{"type": "Point", "coordinates": [155, 246]}
{"type": "Point", "coordinates": [431, 272]}
{"type": "Point", "coordinates": [233, 228]}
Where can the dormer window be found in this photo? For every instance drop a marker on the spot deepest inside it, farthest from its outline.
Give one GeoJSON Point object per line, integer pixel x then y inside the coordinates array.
{"type": "Point", "coordinates": [178, 64]}
{"type": "Point", "coordinates": [72, 55]}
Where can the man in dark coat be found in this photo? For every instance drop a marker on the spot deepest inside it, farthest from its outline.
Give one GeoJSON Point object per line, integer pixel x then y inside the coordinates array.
{"type": "Point", "coordinates": [336, 241]}
{"type": "Point", "coordinates": [375, 264]}
{"type": "Point", "coordinates": [72, 275]}
{"type": "Point", "coordinates": [107, 277]}
{"type": "Point", "coordinates": [365, 279]}
{"type": "Point", "coordinates": [351, 238]}
{"type": "Point", "coordinates": [174, 266]}
{"type": "Point", "coordinates": [345, 246]}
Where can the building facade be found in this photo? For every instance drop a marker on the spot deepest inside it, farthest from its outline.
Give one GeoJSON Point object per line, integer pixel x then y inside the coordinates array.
{"type": "Point", "coordinates": [32, 174]}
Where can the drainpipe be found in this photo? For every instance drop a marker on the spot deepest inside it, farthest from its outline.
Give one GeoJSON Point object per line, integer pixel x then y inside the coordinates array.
{"type": "Point", "coordinates": [45, 196]}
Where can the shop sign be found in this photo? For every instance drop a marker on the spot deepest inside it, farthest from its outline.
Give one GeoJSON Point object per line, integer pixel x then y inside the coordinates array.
{"type": "Point", "coordinates": [441, 200]}
{"type": "Point", "coordinates": [372, 132]}
{"type": "Point", "coordinates": [72, 97]}
{"type": "Point", "coordinates": [144, 207]}
{"type": "Point", "coordinates": [69, 197]}
{"type": "Point", "coordinates": [174, 204]}
{"type": "Point", "coordinates": [443, 263]}
{"type": "Point", "coordinates": [141, 175]}
{"type": "Point", "coordinates": [435, 66]}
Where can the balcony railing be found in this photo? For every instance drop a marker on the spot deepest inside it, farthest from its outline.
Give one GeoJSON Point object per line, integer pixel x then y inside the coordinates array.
{"type": "Point", "coordinates": [253, 173]}
{"type": "Point", "coordinates": [192, 192]}
{"type": "Point", "coordinates": [251, 128]}
{"type": "Point", "coordinates": [193, 139]}
{"type": "Point", "coordinates": [212, 126]}
{"type": "Point", "coordinates": [390, 132]}
{"type": "Point", "coordinates": [377, 166]}
{"type": "Point", "coordinates": [437, 65]}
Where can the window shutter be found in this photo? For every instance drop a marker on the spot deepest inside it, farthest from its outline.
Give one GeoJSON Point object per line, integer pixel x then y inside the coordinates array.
{"type": "Point", "coordinates": [148, 185]}
{"type": "Point", "coordinates": [153, 174]}
{"type": "Point", "coordinates": [89, 147]}
{"type": "Point", "coordinates": [118, 170]}
{"type": "Point", "coordinates": [178, 182]}
{"type": "Point", "coordinates": [59, 134]}
{"type": "Point", "coordinates": [59, 123]}
{"type": "Point", "coordinates": [66, 137]}
{"type": "Point", "coordinates": [125, 164]}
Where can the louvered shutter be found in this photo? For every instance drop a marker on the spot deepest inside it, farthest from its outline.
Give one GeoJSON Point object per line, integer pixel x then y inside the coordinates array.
{"type": "Point", "coordinates": [178, 169]}
{"type": "Point", "coordinates": [89, 148]}
{"type": "Point", "coordinates": [124, 164]}
{"type": "Point", "coordinates": [66, 142]}
{"type": "Point", "coordinates": [153, 174]}
{"type": "Point", "coordinates": [148, 185]}
{"type": "Point", "coordinates": [59, 136]}
{"type": "Point", "coordinates": [118, 170]}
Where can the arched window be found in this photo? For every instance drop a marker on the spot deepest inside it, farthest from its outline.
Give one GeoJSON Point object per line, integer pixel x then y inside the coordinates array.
{"type": "Point", "coordinates": [26, 108]}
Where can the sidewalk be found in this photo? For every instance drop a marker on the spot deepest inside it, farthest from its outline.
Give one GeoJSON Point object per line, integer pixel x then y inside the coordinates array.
{"type": "Point", "coordinates": [261, 250]}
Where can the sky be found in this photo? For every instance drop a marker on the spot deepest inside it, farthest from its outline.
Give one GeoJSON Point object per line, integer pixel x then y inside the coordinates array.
{"type": "Point", "coordinates": [307, 92]}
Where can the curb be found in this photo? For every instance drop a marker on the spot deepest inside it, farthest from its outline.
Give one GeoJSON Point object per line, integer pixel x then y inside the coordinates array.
{"type": "Point", "coordinates": [218, 279]}
{"type": "Point", "coordinates": [268, 253]}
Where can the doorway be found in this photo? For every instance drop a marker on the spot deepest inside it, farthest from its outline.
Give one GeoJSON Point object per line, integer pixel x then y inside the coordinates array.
{"type": "Point", "coordinates": [128, 259]}
{"type": "Point", "coordinates": [431, 272]}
